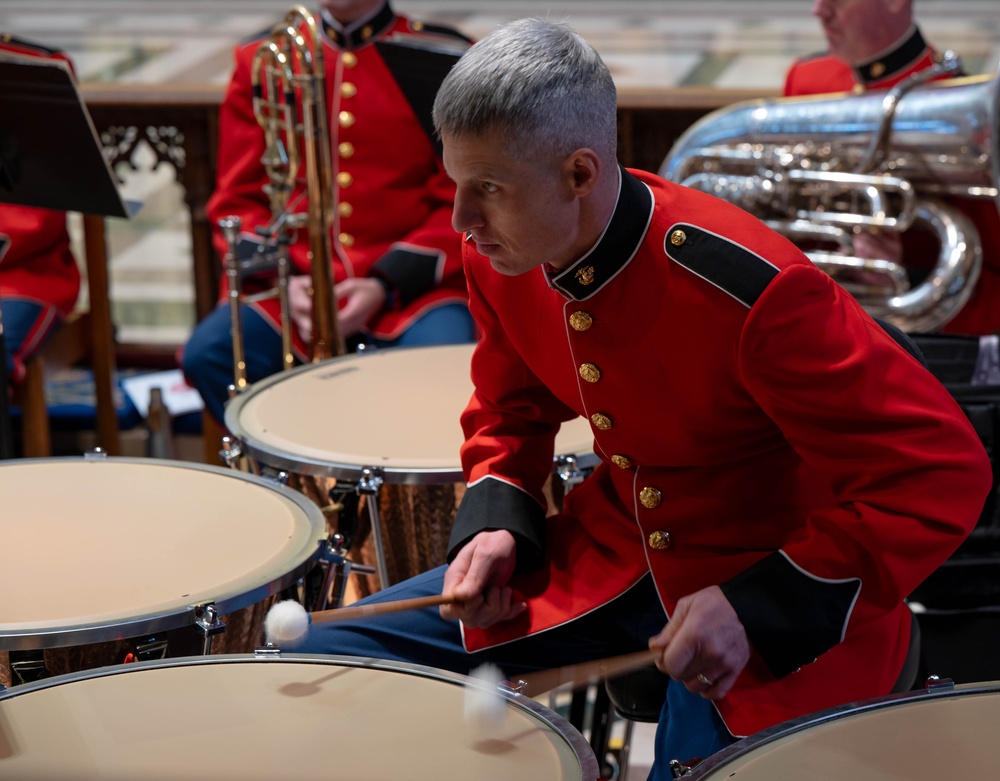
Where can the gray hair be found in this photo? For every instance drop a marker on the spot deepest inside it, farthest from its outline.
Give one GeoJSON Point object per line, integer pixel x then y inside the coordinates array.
{"type": "Point", "coordinates": [538, 83]}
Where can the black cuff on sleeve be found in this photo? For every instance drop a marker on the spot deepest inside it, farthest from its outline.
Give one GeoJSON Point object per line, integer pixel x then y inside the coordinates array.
{"type": "Point", "coordinates": [391, 295]}
{"type": "Point", "coordinates": [790, 616]}
{"type": "Point", "coordinates": [493, 504]}
{"type": "Point", "coordinates": [408, 272]}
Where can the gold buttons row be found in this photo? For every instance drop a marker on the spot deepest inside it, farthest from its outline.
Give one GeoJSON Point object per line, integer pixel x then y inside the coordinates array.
{"type": "Point", "coordinates": [582, 321]}
{"type": "Point", "coordinates": [650, 498]}
{"type": "Point", "coordinates": [345, 149]}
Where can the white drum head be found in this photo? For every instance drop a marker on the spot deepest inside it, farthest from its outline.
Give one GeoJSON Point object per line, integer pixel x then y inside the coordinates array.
{"type": "Point", "coordinates": [296, 718]}
{"type": "Point", "coordinates": [395, 409]}
{"type": "Point", "coordinates": [111, 548]}
{"type": "Point", "coordinates": [916, 737]}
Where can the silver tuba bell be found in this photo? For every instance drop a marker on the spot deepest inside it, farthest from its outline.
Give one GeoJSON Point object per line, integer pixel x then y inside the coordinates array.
{"type": "Point", "coordinates": [819, 169]}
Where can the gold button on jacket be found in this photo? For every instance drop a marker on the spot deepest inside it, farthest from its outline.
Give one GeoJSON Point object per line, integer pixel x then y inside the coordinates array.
{"type": "Point", "coordinates": [622, 462]}
{"type": "Point", "coordinates": [659, 540]}
{"type": "Point", "coordinates": [602, 422]}
{"type": "Point", "coordinates": [650, 497]}
{"type": "Point", "coordinates": [589, 372]}
{"type": "Point", "coordinates": [581, 321]}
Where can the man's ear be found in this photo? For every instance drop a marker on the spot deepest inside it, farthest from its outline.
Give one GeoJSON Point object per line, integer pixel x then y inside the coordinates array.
{"type": "Point", "coordinates": [582, 169]}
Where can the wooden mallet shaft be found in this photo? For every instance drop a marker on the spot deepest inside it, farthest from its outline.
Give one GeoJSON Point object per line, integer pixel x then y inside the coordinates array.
{"type": "Point", "coordinates": [379, 608]}
{"type": "Point", "coordinates": [533, 684]}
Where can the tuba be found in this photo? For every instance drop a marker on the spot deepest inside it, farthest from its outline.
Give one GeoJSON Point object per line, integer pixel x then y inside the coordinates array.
{"type": "Point", "coordinates": [820, 169]}
{"type": "Point", "coordinates": [289, 102]}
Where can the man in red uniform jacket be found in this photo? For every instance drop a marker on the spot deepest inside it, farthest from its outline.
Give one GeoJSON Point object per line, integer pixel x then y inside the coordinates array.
{"type": "Point", "coordinates": [396, 259]}
{"type": "Point", "coordinates": [39, 277]}
{"type": "Point", "coordinates": [776, 473]}
{"type": "Point", "coordinates": [874, 45]}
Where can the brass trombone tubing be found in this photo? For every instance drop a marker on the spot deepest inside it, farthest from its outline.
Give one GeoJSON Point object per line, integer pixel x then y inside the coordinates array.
{"type": "Point", "coordinates": [288, 77]}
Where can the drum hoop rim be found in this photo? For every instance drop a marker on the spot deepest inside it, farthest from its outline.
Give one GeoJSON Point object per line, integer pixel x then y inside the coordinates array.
{"type": "Point", "coordinates": [277, 458]}
{"type": "Point", "coordinates": [28, 637]}
{"type": "Point", "coordinates": [723, 758]}
{"type": "Point", "coordinates": [571, 735]}
{"type": "Point", "coordinates": [280, 458]}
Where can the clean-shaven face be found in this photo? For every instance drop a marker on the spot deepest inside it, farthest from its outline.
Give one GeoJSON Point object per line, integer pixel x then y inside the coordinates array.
{"type": "Point", "coordinates": [520, 213]}
{"type": "Point", "coordinates": [855, 30]}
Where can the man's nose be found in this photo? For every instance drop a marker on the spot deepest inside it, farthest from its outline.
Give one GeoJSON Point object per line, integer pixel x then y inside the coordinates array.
{"type": "Point", "coordinates": [464, 215]}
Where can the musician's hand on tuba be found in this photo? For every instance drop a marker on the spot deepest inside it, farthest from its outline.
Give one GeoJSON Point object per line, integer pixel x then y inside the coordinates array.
{"type": "Point", "coordinates": [878, 245]}
{"type": "Point", "coordinates": [875, 245]}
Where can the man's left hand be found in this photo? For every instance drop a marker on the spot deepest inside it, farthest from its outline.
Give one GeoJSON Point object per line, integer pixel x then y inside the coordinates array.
{"type": "Point", "coordinates": [704, 646]}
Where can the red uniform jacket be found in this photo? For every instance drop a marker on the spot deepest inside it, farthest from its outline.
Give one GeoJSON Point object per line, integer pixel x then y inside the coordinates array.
{"type": "Point", "coordinates": [756, 430]}
{"type": "Point", "coordinates": [393, 199]}
{"type": "Point", "coordinates": [823, 74]}
{"type": "Point", "coordinates": [35, 258]}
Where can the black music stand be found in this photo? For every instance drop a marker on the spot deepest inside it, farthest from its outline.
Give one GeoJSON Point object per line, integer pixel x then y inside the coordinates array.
{"type": "Point", "coordinates": [50, 157]}
{"type": "Point", "coordinates": [419, 69]}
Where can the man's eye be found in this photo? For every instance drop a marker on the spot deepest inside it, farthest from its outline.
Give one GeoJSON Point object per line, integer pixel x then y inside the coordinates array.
{"type": "Point", "coordinates": [490, 187]}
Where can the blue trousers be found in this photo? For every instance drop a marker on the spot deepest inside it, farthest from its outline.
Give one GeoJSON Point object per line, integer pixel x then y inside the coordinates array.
{"type": "Point", "coordinates": [207, 360]}
{"type": "Point", "coordinates": [689, 726]}
{"type": "Point", "coordinates": [27, 326]}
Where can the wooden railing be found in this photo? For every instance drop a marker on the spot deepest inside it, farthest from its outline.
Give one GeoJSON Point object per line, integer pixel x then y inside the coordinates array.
{"type": "Point", "coordinates": [180, 125]}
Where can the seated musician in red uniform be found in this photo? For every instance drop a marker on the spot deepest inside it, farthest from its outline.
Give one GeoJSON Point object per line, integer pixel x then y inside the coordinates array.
{"type": "Point", "coordinates": [39, 277]}
{"type": "Point", "coordinates": [874, 45]}
{"type": "Point", "coordinates": [396, 259]}
{"type": "Point", "coordinates": [776, 473]}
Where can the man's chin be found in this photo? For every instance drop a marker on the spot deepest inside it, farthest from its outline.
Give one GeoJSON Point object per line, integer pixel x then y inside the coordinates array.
{"type": "Point", "coordinates": [501, 264]}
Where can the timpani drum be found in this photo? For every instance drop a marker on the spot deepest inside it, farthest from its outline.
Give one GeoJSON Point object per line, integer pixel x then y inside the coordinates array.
{"type": "Point", "coordinates": [916, 736]}
{"type": "Point", "coordinates": [247, 718]}
{"type": "Point", "coordinates": [389, 413]}
{"type": "Point", "coordinates": [102, 549]}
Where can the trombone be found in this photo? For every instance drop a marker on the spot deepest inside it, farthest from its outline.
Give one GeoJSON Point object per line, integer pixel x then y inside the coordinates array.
{"type": "Point", "coordinates": [289, 102]}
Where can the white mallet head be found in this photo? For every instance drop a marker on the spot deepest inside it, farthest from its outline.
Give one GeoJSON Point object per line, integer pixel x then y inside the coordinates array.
{"type": "Point", "coordinates": [286, 623]}
{"type": "Point", "coordinates": [485, 706]}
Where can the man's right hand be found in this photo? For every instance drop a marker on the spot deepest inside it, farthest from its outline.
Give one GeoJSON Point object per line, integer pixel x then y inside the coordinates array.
{"type": "Point", "coordinates": [478, 579]}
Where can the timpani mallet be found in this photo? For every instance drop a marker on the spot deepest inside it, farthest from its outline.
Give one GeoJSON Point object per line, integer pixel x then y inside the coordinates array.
{"type": "Point", "coordinates": [287, 622]}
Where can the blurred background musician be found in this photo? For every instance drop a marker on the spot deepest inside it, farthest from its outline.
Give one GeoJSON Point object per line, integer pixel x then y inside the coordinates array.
{"type": "Point", "coordinates": [874, 45]}
{"type": "Point", "coordinates": [39, 277]}
{"type": "Point", "coordinates": [397, 263]}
